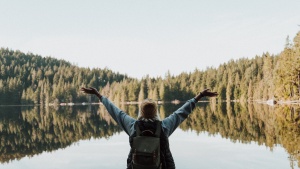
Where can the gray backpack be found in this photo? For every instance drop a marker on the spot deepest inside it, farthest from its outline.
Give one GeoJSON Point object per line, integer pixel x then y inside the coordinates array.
{"type": "Point", "coordinates": [146, 149]}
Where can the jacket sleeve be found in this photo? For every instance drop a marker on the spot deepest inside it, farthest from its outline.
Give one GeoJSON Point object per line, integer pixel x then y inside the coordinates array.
{"type": "Point", "coordinates": [170, 123]}
{"type": "Point", "coordinates": [124, 120]}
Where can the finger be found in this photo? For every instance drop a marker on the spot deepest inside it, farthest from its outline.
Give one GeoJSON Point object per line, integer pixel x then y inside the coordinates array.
{"type": "Point", "coordinates": [205, 90]}
{"type": "Point", "coordinates": [213, 93]}
{"type": "Point", "coordinates": [85, 90]}
{"type": "Point", "coordinates": [92, 89]}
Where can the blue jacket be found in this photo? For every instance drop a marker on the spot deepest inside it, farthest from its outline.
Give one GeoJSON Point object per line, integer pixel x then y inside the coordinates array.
{"type": "Point", "coordinates": [169, 124]}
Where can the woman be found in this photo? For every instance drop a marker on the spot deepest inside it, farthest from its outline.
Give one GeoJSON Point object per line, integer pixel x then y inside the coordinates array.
{"type": "Point", "coordinates": [148, 120]}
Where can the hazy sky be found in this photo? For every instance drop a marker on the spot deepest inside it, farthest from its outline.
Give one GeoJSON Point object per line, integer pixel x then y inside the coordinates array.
{"type": "Point", "coordinates": [148, 36]}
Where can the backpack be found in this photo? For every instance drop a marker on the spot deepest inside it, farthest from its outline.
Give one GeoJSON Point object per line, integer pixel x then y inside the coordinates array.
{"type": "Point", "coordinates": [146, 148]}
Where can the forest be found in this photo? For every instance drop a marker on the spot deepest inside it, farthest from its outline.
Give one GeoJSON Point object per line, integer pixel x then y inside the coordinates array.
{"type": "Point", "coordinates": [33, 79]}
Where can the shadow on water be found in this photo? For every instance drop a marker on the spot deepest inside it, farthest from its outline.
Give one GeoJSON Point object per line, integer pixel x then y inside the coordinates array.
{"type": "Point", "coordinates": [27, 131]}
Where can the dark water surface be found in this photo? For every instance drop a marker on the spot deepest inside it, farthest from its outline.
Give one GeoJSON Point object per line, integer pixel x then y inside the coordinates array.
{"type": "Point", "coordinates": [228, 135]}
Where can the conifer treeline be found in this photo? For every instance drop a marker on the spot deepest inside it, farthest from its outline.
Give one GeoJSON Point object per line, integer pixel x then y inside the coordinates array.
{"type": "Point", "coordinates": [28, 78]}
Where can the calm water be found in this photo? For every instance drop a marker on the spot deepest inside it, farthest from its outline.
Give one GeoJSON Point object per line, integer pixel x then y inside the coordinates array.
{"type": "Point", "coordinates": [230, 136]}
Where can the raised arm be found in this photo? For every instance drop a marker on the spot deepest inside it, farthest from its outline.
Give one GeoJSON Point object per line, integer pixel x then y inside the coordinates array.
{"type": "Point", "coordinates": [124, 120]}
{"type": "Point", "coordinates": [175, 119]}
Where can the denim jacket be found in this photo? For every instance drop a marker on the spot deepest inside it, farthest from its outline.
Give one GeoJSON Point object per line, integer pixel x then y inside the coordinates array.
{"type": "Point", "coordinates": [169, 124]}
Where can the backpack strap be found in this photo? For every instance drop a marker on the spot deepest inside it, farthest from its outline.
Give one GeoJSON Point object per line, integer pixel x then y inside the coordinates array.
{"type": "Point", "coordinates": [137, 129]}
{"type": "Point", "coordinates": [158, 129]}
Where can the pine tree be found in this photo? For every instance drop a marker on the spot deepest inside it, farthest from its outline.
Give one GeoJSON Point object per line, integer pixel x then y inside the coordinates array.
{"type": "Point", "coordinates": [141, 93]}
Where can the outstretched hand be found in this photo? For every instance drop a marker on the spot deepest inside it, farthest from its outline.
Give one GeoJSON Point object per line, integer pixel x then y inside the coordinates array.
{"type": "Point", "coordinates": [207, 93]}
{"type": "Point", "coordinates": [91, 90]}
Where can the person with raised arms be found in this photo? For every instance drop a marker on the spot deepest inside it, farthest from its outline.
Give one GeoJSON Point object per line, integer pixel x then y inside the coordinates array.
{"type": "Point", "coordinates": [148, 135]}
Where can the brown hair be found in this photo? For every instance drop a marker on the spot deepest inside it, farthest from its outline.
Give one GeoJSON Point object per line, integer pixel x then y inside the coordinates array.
{"type": "Point", "coordinates": [148, 109]}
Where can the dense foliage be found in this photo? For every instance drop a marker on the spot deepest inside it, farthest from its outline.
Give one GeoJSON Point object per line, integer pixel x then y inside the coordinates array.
{"type": "Point", "coordinates": [28, 78]}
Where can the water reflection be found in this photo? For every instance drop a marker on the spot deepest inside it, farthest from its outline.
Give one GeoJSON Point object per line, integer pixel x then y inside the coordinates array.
{"type": "Point", "coordinates": [27, 131]}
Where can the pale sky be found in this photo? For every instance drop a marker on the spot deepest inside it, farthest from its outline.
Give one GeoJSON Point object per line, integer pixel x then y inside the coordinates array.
{"type": "Point", "coordinates": [140, 37]}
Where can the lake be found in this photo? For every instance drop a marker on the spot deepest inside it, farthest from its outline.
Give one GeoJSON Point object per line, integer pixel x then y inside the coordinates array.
{"type": "Point", "coordinates": [215, 136]}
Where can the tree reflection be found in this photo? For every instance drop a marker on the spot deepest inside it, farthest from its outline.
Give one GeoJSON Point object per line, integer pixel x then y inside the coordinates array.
{"type": "Point", "coordinates": [263, 124]}
{"type": "Point", "coordinates": [29, 131]}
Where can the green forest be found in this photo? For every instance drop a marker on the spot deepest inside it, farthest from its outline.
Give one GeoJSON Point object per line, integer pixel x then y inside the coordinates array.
{"type": "Point", "coordinates": [33, 79]}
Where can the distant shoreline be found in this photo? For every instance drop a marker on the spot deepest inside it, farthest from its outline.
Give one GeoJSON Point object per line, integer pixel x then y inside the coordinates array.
{"type": "Point", "coordinates": [175, 102]}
